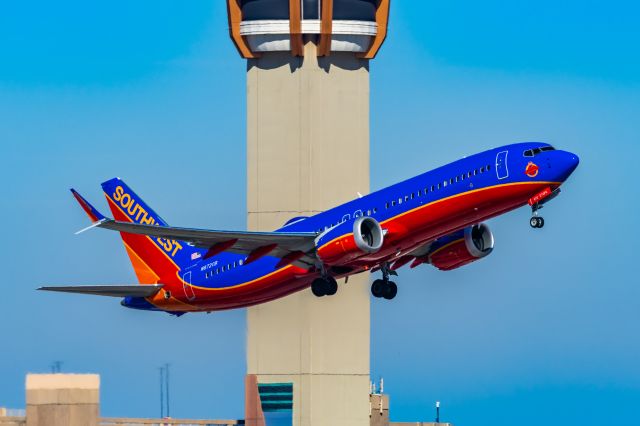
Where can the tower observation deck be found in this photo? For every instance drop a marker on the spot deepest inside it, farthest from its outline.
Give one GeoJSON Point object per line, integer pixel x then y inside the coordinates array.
{"type": "Point", "coordinates": [307, 151]}
{"type": "Point", "coordinates": [261, 26]}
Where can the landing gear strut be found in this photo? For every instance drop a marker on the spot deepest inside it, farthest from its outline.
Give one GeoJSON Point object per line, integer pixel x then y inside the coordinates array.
{"type": "Point", "coordinates": [384, 288]}
{"type": "Point", "coordinates": [536, 221]}
{"type": "Point", "coordinates": [324, 286]}
{"type": "Point", "coordinates": [538, 203]}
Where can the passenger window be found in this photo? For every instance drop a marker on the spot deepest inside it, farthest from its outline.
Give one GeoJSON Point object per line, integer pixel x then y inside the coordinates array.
{"type": "Point", "coordinates": [399, 200]}
{"type": "Point", "coordinates": [433, 188]}
{"type": "Point", "coordinates": [481, 169]}
{"type": "Point", "coordinates": [406, 197]}
{"type": "Point", "coordinates": [240, 262]}
{"type": "Point", "coordinates": [444, 184]}
{"type": "Point", "coordinates": [375, 210]}
{"type": "Point", "coordinates": [488, 167]}
{"type": "Point", "coordinates": [393, 203]}
{"type": "Point", "coordinates": [438, 186]}
{"type": "Point", "coordinates": [386, 205]}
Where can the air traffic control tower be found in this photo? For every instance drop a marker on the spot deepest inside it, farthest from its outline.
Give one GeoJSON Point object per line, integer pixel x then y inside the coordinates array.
{"type": "Point", "coordinates": [308, 150]}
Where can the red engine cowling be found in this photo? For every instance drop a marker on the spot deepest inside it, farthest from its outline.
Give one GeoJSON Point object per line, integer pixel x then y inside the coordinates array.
{"type": "Point", "coordinates": [350, 240]}
{"type": "Point", "coordinates": [462, 247]}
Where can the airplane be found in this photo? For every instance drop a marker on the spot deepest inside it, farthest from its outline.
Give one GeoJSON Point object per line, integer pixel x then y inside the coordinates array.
{"type": "Point", "coordinates": [434, 218]}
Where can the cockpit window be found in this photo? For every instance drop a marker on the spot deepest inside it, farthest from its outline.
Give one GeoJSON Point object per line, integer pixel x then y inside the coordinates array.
{"type": "Point", "coordinates": [535, 151]}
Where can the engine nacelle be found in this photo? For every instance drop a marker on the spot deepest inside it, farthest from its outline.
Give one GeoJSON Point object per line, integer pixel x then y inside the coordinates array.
{"type": "Point", "coordinates": [350, 240]}
{"type": "Point", "coordinates": [461, 247]}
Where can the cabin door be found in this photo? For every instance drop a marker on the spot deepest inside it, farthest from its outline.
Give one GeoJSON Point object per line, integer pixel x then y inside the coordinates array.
{"type": "Point", "coordinates": [501, 165]}
{"type": "Point", "coordinates": [186, 285]}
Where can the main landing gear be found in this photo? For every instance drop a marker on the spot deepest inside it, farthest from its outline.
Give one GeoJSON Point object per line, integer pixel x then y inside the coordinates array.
{"type": "Point", "coordinates": [385, 288]}
{"type": "Point", "coordinates": [324, 286]}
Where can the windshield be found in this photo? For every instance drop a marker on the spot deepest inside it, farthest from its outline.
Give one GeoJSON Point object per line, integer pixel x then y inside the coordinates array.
{"type": "Point", "coordinates": [535, 151]}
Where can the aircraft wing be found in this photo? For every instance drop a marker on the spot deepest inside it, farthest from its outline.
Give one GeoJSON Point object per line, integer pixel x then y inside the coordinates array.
{"type": "Point", "coordinates": [291, 247]}
{"type": "Point", "coordinates": [145, 290]}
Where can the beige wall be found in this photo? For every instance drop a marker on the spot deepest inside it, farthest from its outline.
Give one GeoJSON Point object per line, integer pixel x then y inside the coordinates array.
{"type": "Point", "coordinates": [308, 150]}
{"type": "Point", "coordinates": [63, 399]}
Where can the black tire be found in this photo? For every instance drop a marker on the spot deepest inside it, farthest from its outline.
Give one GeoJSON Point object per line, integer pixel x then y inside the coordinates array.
{"type": "Point", "coordinates": [332, 286]}
{"type": "Point", "coordinates": [319, 287]}
{"type": "Point", "coordinates": [533, 222]}
{"type": "Point", "coordinates": [390, 290]}
{"type": "Point", "coordinates": [377, 288]}
{"type": "Point", "coordinates": [540, 222]}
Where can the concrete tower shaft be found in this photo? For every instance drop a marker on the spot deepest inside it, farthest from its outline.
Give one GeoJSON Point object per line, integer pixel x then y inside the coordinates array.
{"type": "Point", "coordinates": [307, 151]}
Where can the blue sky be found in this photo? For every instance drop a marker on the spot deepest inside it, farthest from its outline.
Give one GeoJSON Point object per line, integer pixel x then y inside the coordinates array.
{"type": "Point", "coordinates": [154, 92]}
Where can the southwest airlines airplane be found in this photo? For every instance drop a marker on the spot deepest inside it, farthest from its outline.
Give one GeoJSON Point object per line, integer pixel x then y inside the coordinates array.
{"type": "Point", "coordinates": [436, 218]}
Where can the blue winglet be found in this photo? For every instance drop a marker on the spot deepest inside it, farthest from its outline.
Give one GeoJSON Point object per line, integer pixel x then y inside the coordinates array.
{"type": "Point", "coordinates": [91, 211]}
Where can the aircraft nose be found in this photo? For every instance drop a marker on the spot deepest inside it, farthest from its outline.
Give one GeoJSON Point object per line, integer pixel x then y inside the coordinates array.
{"type": "Point", "coordinates": [573, 161]}
{"type": "Point", "coordinates": [570, 163]}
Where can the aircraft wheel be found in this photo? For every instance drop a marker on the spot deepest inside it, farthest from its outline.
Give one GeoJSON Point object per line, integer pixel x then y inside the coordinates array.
{"type": "Point", "coordinates": [332, 286]}
{"type": "Point", "coordinates": [377, 288]}
{"type": "Point", "coordinates": [540, 222]}
{"type": "Point", "coordinates": [533, 222]}
{"type": "Point", "coordinates": [390, 291]}
{"type": "Point", "coordinates": [319, 287]}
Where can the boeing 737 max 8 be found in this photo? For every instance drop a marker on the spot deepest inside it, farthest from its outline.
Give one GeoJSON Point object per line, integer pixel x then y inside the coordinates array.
{"type": "Point", "coordinates": [435, 218]}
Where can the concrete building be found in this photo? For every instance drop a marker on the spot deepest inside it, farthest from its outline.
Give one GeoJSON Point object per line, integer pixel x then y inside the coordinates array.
{"type": "Point", "coordinates": [74, 400]}
{"type": "Point", "coordinates": [308, 150]}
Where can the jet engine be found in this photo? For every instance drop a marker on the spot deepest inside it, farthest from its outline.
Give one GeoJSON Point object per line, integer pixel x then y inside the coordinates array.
{"type": "Point", "coordinates": [350, 240]}
{"type": "Point", "coordinates": [461, 247]}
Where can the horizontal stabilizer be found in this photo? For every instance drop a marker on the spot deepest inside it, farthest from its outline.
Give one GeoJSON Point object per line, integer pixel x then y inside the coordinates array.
{"type": "Point", "coordinates": [110, 290]}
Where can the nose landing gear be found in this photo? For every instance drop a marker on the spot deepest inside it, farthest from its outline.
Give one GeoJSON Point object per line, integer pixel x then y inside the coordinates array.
{"type": "Point", "coordinates": [537, 202]}
{"type": "Point", "coordinates": [536, 222]}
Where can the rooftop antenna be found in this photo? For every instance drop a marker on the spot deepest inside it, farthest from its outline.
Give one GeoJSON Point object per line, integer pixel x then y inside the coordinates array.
{"type": "Point", "coordinates": [56, 367]}
{"type": "Point", "coordinates": [166, 382]}
{"type": "Point", "coordinates": [437, 411]}
{"type": "Point", "coordinates": [164, 391]}
{"type": "Point", "coordinates": [161, 391]}
{"type": "Point", "coordinates": [381, 385]}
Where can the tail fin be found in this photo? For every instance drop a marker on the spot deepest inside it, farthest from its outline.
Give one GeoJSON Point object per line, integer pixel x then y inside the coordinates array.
{"type": "Point", "coordinates": [154, 260]}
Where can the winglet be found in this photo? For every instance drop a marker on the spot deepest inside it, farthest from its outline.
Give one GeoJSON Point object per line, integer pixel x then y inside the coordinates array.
{"type": "Point", "coordinates": [91, 211]}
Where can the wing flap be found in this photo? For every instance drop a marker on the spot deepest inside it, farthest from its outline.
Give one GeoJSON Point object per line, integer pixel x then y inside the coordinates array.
{"type": "Point", "coordinates": [138, 290]}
